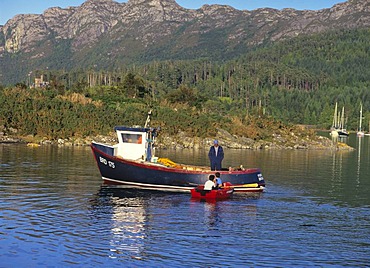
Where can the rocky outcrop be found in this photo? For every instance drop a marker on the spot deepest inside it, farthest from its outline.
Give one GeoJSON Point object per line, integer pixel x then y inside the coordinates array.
{"type": "Point", "coordinates": [288, 140]}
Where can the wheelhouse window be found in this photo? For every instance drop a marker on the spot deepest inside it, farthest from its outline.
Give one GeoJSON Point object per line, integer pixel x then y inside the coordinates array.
{"type": "Point", "coordinates": [132, 138]}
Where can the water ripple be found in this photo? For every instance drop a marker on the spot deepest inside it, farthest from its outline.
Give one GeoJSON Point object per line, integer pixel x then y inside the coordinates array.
{"type": "Point", "coordinates": [55, 213]}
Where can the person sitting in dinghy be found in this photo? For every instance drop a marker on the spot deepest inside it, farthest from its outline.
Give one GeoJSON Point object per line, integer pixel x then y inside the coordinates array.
{"type": "Point", "coordinates": [218, 181]}
{"type": "Point", "coordinates": [210, 184]}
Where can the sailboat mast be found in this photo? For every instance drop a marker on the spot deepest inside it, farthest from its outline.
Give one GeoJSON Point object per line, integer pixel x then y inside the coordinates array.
{"type": "Point", "coordinates": [335, 119]}
{"type": "Point", "coordinates": [360, 118]}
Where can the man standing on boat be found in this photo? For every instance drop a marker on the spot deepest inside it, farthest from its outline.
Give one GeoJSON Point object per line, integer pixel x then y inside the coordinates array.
{"type": "Point", "coordinates": [216, 155]}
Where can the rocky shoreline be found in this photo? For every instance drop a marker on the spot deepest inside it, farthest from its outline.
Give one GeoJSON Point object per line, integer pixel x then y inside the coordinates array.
{"type": "Point", "coordinates": [291, 141]}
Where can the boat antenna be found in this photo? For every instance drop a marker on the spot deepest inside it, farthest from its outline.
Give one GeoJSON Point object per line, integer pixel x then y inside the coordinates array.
{"type": "Point", "coordinates": [148, 119]}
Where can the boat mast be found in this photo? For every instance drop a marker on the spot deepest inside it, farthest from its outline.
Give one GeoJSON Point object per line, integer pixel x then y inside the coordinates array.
{"type": "Point", "coordinates": [148, 119]}
{"type": "Point", "coordinates": [151, 134]}
{"type": "Point", "coordinates": [360, 118]}
{"type": "Point", "coordinates": [335, 116]}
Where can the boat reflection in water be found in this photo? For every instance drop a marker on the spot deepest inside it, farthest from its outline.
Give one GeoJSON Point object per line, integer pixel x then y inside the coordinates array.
{"type": "Point", "coordinates": [134, 221]}
{"type": "Point", "coordinates": [358, 161]}
{"type": "Point", "coordinates": [215, 212]}
{"type": "Point", "coordinates": [126, 210]}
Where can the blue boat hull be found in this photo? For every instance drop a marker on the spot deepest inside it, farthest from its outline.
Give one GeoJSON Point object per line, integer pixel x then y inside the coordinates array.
{"type": "Point", "coordinates": [154, 176]}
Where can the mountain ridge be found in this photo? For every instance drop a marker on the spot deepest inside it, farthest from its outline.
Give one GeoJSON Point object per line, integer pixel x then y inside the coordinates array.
{"type": "Point", "coordinates": [143, 30]}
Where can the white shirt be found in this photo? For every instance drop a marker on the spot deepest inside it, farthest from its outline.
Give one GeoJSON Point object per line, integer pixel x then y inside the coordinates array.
{"type": "Point", "coordinates": [208, 185]}
{"type": "Point", "coordinates": [216, 149]}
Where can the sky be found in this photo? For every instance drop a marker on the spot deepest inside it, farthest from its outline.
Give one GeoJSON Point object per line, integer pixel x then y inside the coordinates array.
{"type": "Point", "coordinates": [10, 8]}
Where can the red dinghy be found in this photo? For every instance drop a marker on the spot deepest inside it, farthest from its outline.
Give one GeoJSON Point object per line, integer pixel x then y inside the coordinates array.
{"type": "Point", "coordinates": [219, 194]}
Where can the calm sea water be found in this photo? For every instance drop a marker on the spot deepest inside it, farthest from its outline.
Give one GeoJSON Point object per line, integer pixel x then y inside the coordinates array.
{"type": "Point", "coordinates": [56, 213]}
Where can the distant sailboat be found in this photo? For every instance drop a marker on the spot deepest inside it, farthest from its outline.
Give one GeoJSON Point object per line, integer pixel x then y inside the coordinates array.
{"type": "Point", "coordinates": [334, 129]}
{"type": "Point", "coordinates": [368, 133]}
{"type": "Point", "coordinates": [337, 128]}
{"type": "Point", "coordinates": [360, 133]}
{"type": "Point", "coordinates": [342, 130]}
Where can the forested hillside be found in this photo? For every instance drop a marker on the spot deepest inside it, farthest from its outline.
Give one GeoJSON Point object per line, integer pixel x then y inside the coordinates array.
{"type": "Point", "coordinates": [296, 81]}
{"type": "Point", "coordinates": [106, 35]}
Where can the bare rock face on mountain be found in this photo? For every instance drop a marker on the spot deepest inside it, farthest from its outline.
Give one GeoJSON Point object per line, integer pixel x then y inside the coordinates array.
{"type": "Point", "coordinates": [83, 25]}
{"type": "Point", "coordinates": [150, 29]}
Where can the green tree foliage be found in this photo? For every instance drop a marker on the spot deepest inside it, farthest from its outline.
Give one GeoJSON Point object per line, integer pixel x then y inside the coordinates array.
{"type": "Point", "coordinates": [183, 95]}
{"type": "Point", "coordinates": [294, 81]}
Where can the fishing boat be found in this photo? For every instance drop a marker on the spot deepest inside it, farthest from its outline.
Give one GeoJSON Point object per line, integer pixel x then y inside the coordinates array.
{"type": "Point", "coordinates": [215, 194]}
{"type": "Point", "coordinates": [132, 163]}
{"type": "Point", "coordinates": [360, 133]}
